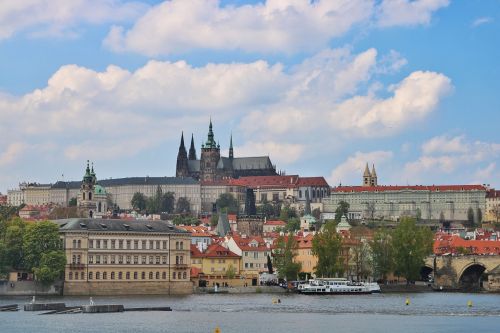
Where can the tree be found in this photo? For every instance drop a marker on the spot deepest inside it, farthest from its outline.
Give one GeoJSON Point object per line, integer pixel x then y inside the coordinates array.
{"type": "Point", "coordinates": [72, 202]}
{"type": "Point", "coordinates": [293, 224]}
{"type": "Point", "coordinates": [316, 213]}
{"type": "Point", "coordinates": [51, 267]}
{"type": "Point", "coordinates": [479, 216]}
{"type": "Point", "coordinates": [167, 203]}
{"type": "Point", "coordinates": [266, 209]}
{"type": "Point", "coordinates": [13, 242]}
{"type": "Point", "coordinates": [287, 212]}
{"type": "Point", "coordinates": [470, 217]}
{"type": "Point", "coordinates": [284, 255]}
{"type": "Point", "coordinates": [214, 219]}
{"type": "Point", "coordinates": [327, 246]}
{"type": "Point", "coordinates": [230, 272]}
{"type": "Point", "coordinates": [183, 205]}
{"type": "Point", "coordinates": [342, 210]}
{"type": "Point", "coordinates": [382, 253]}
{"type": "Point", "coordinates": [40, 238]}
{"type": "Point", "coordinates": [185, 220]}
{"type": "Point", "coordinates": [412, 244]}
{"type": "Point", "coordinates": [138, 201]}
{"type": "Point", "coordinates": [360, 254]}
{"type": "Point", "coordinates": [269, 265]}
{"type": "Point", "coordinates": [228, 203]}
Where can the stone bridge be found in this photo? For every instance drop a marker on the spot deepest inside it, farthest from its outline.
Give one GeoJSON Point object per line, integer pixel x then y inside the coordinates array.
{"type": "Point", "coordinates": [463, 272]}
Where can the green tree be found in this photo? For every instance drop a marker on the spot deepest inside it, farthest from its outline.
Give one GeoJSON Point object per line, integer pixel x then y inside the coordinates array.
{"type": "Point", "coordinates": [167, 203]}
{"type": "Point", "coordinates": [231, 272]}
{"type": "Point", "coordinates": [382, 253]}
{"type": "Point", "coordinates": [227, 202]}
{"type": "Point", "coordinates": [214, 219]}
{"type": "Point", "coordinates": [293, 224]}
{"type": "Point", "coordinates": [40, 238]}
{"type": "Point", "coordinates": [316, 213]}
{"type": "Point", "coordinates": [360, 254]}
{"type": "Point", "coordinates": [327, 246]}
{"type": "Point", "coordinates": [266, 209]}
{"type": "Point", "coordinates": [72, 202]}
{"type": "Point", "coordinates": [287, 213]}
{"type": "Point", "coordinates": [183, 206]}
{"type": "Point", "coordinates": [138, 201]}
{"type": "Point", "coordinates": [470, 217]}
{"type": "Point", "coordinates": [13, 242]}
{"type": "Point", "coordinates": [342, 209]}
{"type": "Point", "coordinates": [412, 244]}
{"type": "Point", "coordinates": [283, 257]}
{"type": "Point", "coordinates": [51, 267]}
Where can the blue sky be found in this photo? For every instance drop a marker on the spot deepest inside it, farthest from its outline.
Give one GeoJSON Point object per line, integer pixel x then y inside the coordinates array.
{"type": "Point", "coordinates": [323, 87]}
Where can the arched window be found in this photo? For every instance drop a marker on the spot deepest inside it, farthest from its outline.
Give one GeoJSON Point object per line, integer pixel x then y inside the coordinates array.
{"type": "Point", "coordinates": [73, 259]}
{"type": "Point", "coordinates": [181, 245]}
{"type": "Point", "coordinates": [79, 244]}
{"type": "Point", "coordinates": [177, 260]}
{"type": "Point", "coordinates": [76, 276]}
{"type": "Point", "coordinates": [112, 275]}
{"type": "Point", "coordinates": [120, 275]}
{"type": "Point", "coordinates": [97, 275]}
{"type": "Point", "coordinates": [104, 275]}
{"type": "Point", "coordinates": [135, 275]}
{"type": "Point", "coordinates": [127, 276]}
{"type": "Point", "coordinates": [74, 243]}
{"type": "Point", "coordinates": [157, 275]}
{"type": "Point", "coordinates": [70, 276]}
{"type": "Point", "coordinates": [151, 275]}
{"type": "Point", "coordinates": [90, 275]}
{"type": "Point", "coordinates": [184, 275]}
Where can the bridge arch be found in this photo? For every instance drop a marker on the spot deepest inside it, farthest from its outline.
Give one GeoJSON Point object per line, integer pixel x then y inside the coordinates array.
{"type": "Point", "coordinates": [470, 277]}
{"type": "Point", "coordinates": [425, 272]}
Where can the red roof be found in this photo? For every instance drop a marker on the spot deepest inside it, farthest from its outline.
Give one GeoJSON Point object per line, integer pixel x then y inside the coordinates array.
{"type": "Point", "coordinates": [224, 182]}
{"type": "Point", "coordinates": [445, 243]}
{"type": "Point", "coordinates": [244, 243]}
{"type": "Point", "coordinates": [492, 194]}
{"type": "Point", "coordinates": [195, 271]}
{"type": "Point", "coordinates": [432, 188]}
{"type": "Point", "coordinates": [290, 181]}
{"type": "Point", "coordinates": [313, 181]}
{"type": "Point", "coordinates": [275, 222]}
{"type": "Point", "coordinates": [213, 251]}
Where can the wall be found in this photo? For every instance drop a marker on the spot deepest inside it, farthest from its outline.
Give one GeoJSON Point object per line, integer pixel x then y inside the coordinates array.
{"type": "Point", "coordinates": [128, 288]}
{"type": "Point", "coordinates": [27, 288]}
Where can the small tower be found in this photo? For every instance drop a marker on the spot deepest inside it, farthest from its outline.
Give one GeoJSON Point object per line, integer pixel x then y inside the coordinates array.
{"type": "Point", "coordinates": [86, 203]}
{"type": "Point", "coordinates": [181, 169]}
{"type": "Point", "coordinates": [231, 154]}
{"type": "Point", "coordinates": [192, 150]}
{"type": "Point", "coordinates": [367, 177]}
{"type": "Point", "coordinates": [373, 180]}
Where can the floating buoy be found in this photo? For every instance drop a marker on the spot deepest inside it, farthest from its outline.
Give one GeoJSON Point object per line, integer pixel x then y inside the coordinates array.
{"type": "Point", "coordinates": [407, 302]}
{"type": "Point", "coordinates": [217, 330]}
{"type": "Point", "coordinates": [469, 303]}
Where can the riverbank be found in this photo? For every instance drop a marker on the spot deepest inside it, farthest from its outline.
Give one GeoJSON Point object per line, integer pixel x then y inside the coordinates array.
{"type": "Point", "coordinates": [242, 290]}
{"type": "Point", "coordinates": [406, 288]}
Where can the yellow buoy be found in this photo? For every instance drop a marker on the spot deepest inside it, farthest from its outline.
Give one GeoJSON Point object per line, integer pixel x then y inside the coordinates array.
{"type": "Point", "coordinates": [217, 330]}
{"type": "Point", "coordinates": [407, 302]}
{"type": "Point", "coordinates": [469, 303]}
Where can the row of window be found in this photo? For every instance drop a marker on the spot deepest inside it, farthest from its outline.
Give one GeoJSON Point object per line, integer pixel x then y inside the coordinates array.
{"type": "Point", "coordinates": [126, 276]}
{"type": "Point", "coordinates": [121, 259]}
{"type": "Point", "coordinates": [257, 265]}
{"type": "Point", "coordinates": [255, 254]}
{"type": "Point", "coordinates": [130, 244]}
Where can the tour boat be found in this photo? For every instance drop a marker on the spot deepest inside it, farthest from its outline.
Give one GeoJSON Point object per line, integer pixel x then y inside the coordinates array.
{"type": "Point", "coordinates": [336, 286]}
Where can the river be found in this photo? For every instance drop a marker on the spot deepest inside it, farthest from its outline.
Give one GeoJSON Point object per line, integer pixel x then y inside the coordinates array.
{"type": "Point", "coordinates": [427, 312]}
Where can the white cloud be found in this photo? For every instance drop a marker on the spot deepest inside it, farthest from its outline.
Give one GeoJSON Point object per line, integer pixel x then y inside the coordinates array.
{"type": "Point", "coordinates": [281, 153]}
{"type": "Point", "coordinates": [481, 20]}
{"type": "Point", "coordinates": [11, 153]}
{"type": "Point", "coordinates": [61, 17]}
{"type": "Point", "coordinates": [288, 26]}
{"type": "Point", "coordinates": [407, 12]}
{"type": "Point", "coordinates": [445, 144]}
{"type": "Point", "coordinates": [351, 170]}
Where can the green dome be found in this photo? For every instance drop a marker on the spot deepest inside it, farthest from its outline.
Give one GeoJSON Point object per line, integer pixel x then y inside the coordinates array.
{"type": "Point", "coordinates": [309, 218]}
{"type": "Point", "coordinates": [98, 189]}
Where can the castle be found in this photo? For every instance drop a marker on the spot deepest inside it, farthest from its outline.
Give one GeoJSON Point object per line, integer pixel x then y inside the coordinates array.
{"type": "Point", "coordinates": [212, 166]}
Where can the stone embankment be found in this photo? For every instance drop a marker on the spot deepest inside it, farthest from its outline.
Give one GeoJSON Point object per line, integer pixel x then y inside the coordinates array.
{"type": "Point", "coordinates": [241, 290]}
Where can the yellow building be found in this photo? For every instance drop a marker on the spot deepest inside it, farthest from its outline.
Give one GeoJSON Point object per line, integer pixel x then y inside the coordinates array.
{"type": "Point", "coordinates": [110, 257]}
{"type": "Point", "coordinates": [304, 254]}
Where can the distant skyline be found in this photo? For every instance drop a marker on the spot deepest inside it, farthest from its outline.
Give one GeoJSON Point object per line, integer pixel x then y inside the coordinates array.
{"type": "Point", "coordinates": [322, 87]}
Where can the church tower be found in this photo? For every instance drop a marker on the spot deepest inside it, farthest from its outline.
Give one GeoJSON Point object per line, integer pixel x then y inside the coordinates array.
{"type": "Point", "coordinates": [210, 156]}
{"type": "Point", "coordinates": [181, 169]}
{"type": "Point", "coordinates": [192, 150]}
{"type": "Point", "coordinates": [86, 203]}
{"type": "Point", "coordinates": [373, 181]}
{"type": "Point", "coordinates": [367, 177]}
{"type": "Point", "coordinates": [231, 154]}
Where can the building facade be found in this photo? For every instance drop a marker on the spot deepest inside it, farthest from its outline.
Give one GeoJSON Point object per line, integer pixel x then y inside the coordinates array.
{"type": "Point", "coordinates": [212, 166]}
{"type": "Point", "coordinates": [492, 206]}
{"type": "Point", "coordinates": [116, 257]}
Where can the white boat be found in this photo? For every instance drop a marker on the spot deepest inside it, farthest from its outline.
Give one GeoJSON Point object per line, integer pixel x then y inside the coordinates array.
{"type": "Point", "coordinates": [336, 286]}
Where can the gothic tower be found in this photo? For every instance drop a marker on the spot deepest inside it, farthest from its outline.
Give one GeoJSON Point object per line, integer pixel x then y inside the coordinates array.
{"type": "Point", "coordinates": [181, 169]}
{"type": "Point", "coordinates": [210, 156]}
{"type": "Point", "coordinates": [373, 181]}
{"type": "Point", "coordinates": [192, 150]}
{"type": "Point", "coordinates": [231, 154]}
{"type": "Point", "coordinates": [86, 203]}
{"type": "Point", "coordinates": [367, 176]}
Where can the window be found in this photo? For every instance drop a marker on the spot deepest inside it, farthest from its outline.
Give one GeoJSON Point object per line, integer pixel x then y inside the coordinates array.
{"type": "Point", "coordinates": [143, 244]}
{"type": "Point", "coordinates": [150, 260]}
{"type": "Point", "coordinates": [91, 244]}
{"type": "Point", "coordinates": [70, 276]}
{"type": "Point", "coordinates": [120, 275]}
{"type": "Point", "coordinates": [151, 275]}
{"type": "Point", "coordinates": [263, 197]}
{"type": "Point", "coordinates": [157, 260]}
{"type": "Point", "coordinates": [128, 245]}
{"type": "Point", "coordinates": [76, 276]}
{"type": "Point", "coordinates": [136, 260]}
{"type": "Point", "coordinates": [97, 259]}
{"type": "Point", "coordinates": [91, 259]}
{"type": "Point", "coordinates": [256, 255]}
{"type": "Point", "coordinates": [151, 244]}
{"type": "Point", "coordinates": [120, 259]}
{"type": "Point", "coordinates": [276, 197]}
{"type": "Point", "coordinates": [78, 259]}
{"type": "Point", "coordinates": [104, 243]}
{"type": "Point", "coordinates": [246, 254]}
{"type": "Point", "coordinates": [112, 275]}
{"type": "Point", "coordinates": [174, 274]}
{"type": "Point", "coordinates": [73, 260]}
{"type": "Point", "coordinates": [79, 244]}
{"type": "Point", "coordinates": [127, 276]}
{"type": "Point", "coordinates": [82, 275]}
{"type": "Point", "coordinates": [157, 275]}
{"type": "Point", "coordinates": [104, 275]}
{"type": "Point", "coordinates": [104, 259]}
{"type": "Point", "coordinates": [113, 259]}
{"type": "Point", "coordinates": [184, 275]}
{"type": "Point", "coordinates": [90, 275]}
{"type": "Point", "coordinates": [164, 260]}
{"type": "Point", "coordinates": [181, 244]}
{"type": "Point", "coordinates": [97, 275]}
{"type": "Point", "coordinates": [74, 243]}
{"type": "Point", "coordinates": [157, 245]}
{"type": "Point", "coordinates": [143, 260]}
{"type": "Point", "coordinates": [136, 244]}
{"type": "Point", "coordinates": [176, 245]}
{"type": "Point", "coordinates": [128, 259]}
{"type": "Point", "coordinates": [113, 244]}
{"type": "Point", "coordinates": [164, 275]}
{"type": "Point", "coordinates": [135, 275]}
{"type": "Point", "coordinates": [143, 275]}
{"type": "Point", "coordinates": [246, 265]}
{"type": "Point", "coordinates": [120, 244]}
{"type": "Point", "coordinates": [165, 245]}
{"type": "Point", "coordinates": [98, 244]}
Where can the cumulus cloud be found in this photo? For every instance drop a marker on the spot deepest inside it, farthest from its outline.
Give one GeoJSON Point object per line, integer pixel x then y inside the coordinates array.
{"type": "Point", "coordinates": [61, 17]}
{"type": "Point", "coordinates": [351, 170]}
{"type": "Point", "coordinates": [407, 12]}
{"type": "Point", "coordinates": [179, 26]}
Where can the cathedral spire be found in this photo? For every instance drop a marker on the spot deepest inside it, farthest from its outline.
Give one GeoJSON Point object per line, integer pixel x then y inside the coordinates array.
{"type": "Point", "coordinates": [192, 150]}
{"type": "Point", "coordinates": [231, 154]}
{"type": "Point", "coordinates": [182, 169]}
{"type": "Point", "coordinates": [181, 146]}
{"type": "Point", "coordinates": [210, 139]}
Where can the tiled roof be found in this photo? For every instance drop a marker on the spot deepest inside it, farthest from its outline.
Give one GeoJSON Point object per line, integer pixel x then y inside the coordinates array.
{"type": "Point", "coordinates": [213, 251]}
{"type": "Point", "coordinates": [313, 181]}
{"type": "Point", "coordinates": [244, 243]}
{"type": "Point", "coordinates": [114, 225]}
{"type": "Point", "coordinates": [195, 271]}
{"type": "Point", "coordinates": [270, 181]}
{"type": "Point", "coordinates": [450, 243]}
{"type": "Point", "coordinates": [492, 194]}
{"type": "Point", "coordinates": [431, 188]}
{"type": "Point", "coordinates": [275, 222]}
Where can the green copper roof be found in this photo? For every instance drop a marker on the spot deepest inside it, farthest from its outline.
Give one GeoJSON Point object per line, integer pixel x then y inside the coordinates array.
{"type": "Point", "coordinates": [210, 139]}
{"type": "Point", "coordinates": [98, 189]}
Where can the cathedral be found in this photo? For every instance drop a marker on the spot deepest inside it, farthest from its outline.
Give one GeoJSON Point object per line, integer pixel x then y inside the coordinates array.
{"type": "Point", "coordinates": [212, 166]}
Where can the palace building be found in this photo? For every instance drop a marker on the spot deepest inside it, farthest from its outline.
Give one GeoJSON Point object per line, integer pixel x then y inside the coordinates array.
{"type": "Point", "coordinates": [118, 257]}
{"type": "Point", "coordinates": [212, 166]}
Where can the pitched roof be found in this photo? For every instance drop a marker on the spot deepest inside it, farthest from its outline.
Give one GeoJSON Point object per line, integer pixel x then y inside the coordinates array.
{"type": "Point", "coordinates": [445, 243]}
{"type": "Point", "coordinates": [492, 194]}
{"type": "Point", "coordinates": [244, 243]}
{"type": "Point", "coordinates": [214, 250]}
{"type": "Point", "coordinates": [223, 226]}
{"type": "Point", "coordinates": [131, 181]}
{"type": "Point", "coordinates": [313, 181]}
{"type": "Point", "coordinates": [275, 222]}
{"type": "Point", "coordinates": [388, 188]}
{"type": "Point", "coordinates": [116, 225]}
{"type": "Point", "coordinates": [270, 181]}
